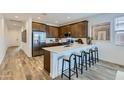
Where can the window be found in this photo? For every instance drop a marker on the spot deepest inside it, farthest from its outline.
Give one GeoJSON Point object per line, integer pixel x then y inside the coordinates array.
{"type": "Point", "coordinates": [119, 23]}
{"type": "Point", "coordinates": [119, 31]}
{"type": "Point", "coordinates": [120, 38]}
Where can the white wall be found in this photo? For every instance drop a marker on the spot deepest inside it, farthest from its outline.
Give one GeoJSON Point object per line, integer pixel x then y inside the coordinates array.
{"type": "Point", "coordinates": [108, 50]}
{"type": "Point", "coordinates": [3, 44]}
{"type": "Point", "coordinates": [27, 47]}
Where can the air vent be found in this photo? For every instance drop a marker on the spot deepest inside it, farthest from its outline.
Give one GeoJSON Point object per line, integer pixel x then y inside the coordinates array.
{"type": "Point", "coordinates": [44, 14]}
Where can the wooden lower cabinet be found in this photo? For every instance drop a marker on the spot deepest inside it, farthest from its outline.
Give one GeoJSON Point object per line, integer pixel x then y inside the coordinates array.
{"type": "Point", "coordinates": [47, 61]}
{"type": "Point", "coordinates": [47, 56]}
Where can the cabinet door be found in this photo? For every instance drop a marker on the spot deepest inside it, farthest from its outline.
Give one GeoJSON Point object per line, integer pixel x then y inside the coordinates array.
{"type": "Point", "coordinates": [47, 61]}
{"type": "Point", "coordinates": [73, 30]}
{"type": "Point", "coordinates": [38, 26]}
{"type": "Point", "coordinates": [35, 26]}
{"type": "Point", "coordinates": [63, 30]}
{"type": "Point", "coordinates": [52, 31]}
{"type": "Point", "coordinates": [42, 27]}
{"type": "Point", "coordinates": [68, 29]}
{"type": "Point", "coordinates": [85, 29]}
{"type": "Point", "coordinates": [79, 30]}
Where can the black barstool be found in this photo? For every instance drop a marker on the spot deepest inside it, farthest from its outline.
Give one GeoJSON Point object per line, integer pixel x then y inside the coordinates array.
{"type": "Point", "coordinates": [89, 56]}
{"type": "Point", "coordinates": [82, 59]}
{"type": "Point", "coordinates": [96, 54]}
{"type": "Point", "coordinates": [69, 60]}
{"type": "Point", "coordinates": [93, 56]}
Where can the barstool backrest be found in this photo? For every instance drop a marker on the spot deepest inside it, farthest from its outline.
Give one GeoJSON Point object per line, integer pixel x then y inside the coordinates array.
{"type": "Point", "coordinates": [96, 48]}
{"type": "Point", "coordinates": [71, 56]}
{"type": "Point", "coordinates": [90, 50]}
{"type": "Point", "coordinates": [83, 53]}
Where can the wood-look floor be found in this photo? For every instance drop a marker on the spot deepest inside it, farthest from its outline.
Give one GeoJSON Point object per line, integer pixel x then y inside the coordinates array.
{"type": "Point", "coordinates": [17, 66]}
{"type": "Point", "coordinates": [101, 71]}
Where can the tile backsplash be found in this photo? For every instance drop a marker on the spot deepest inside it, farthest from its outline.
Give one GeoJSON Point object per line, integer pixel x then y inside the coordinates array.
{"type": "Point", "coordinates": [52, 40]}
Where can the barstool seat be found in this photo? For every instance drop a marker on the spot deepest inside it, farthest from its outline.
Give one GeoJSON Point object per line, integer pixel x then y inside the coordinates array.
{"type": "Point", "coordinates": [77, 53]}
{"type": "Point", "coordinates": [66, 58]}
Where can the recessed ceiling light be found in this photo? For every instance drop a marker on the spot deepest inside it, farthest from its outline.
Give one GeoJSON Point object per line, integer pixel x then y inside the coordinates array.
{"type": "Point", "coordinates": [56, 21]}
{"type": "Point", "coordinates": [38, 17]}
{"type": "Point", "coordinates": [68, 17]}
{"type": "Point", "coordinates": [16, 17]}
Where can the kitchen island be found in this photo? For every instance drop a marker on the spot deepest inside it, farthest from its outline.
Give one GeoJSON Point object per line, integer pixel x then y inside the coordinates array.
{"type": "Point", "coordinates": [53, 57]}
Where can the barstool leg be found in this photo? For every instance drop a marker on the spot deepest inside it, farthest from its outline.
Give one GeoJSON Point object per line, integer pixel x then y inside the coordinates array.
{"type": "Point", "coordinates": [97, 56]}
{"type": "Point", "coordinates": [76, 67]}
{"type": "Point", "coordinates": [86, 61]}
{"type": "Point", "coordinates": [62, 68]}
{"type": "Point", "coordinates": [74, 63]}
{"type": "Point", "coordinates": [82, 61]}
{"type": "Point", "coordinates": [90, 59]}
{"type": "Point", "coordinates": [79, 62]}
{"type": "Point", "coordinates": [69, 70]}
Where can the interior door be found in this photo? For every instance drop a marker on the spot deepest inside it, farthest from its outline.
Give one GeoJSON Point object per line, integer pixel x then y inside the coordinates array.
{"type": "Point", "coordinates": [14, 38]}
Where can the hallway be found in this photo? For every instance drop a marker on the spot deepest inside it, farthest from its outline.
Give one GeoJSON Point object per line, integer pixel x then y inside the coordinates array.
{"type": "Point", "coordinates": [17, 66]}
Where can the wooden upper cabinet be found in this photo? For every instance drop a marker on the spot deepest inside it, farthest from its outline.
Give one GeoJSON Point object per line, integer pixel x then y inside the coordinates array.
{"type": "Point", "coordinates": [43, 27]}
{"type": "Point", "coordinates": [38, 26]}
{"type": "Point", "coordinates": [77, 30]}
{"type": "Point", "coordinates": [85, 29]}
{"type": "Point", "coordinates": [52, 32]}
{"type": "Point", "coordinates": [35, 26]}
{"type": "Point", "coordinates": [63, 30]}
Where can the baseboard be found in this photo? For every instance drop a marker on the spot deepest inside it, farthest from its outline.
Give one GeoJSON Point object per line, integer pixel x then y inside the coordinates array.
{"type": "Point", "coordinates": [3, 57]}
{"type": "Point", "coordinates": [120, 65]}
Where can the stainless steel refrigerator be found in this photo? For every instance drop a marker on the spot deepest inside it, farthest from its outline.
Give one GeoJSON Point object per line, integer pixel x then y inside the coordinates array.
{"type": "Point", "coordinates": [38, 42]}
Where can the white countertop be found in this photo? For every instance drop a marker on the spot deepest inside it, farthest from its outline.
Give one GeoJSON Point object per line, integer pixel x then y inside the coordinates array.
{"type": "Point", "coordinates": [119, 75]}
{"type": "Point", "coordinates": [60, 49]}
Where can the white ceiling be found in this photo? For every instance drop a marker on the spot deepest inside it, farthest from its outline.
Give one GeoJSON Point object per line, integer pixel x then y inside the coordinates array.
{"type": "Point", "coordinates": [62, 18]}
{"type": "Point", "coordinates": [56, 19]}
{"type": "Point", "coordinates": [14, 24]}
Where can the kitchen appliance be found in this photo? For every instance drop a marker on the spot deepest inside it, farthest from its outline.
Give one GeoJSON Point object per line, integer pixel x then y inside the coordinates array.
{"type": "Point", "coordinates": [38, 42]}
